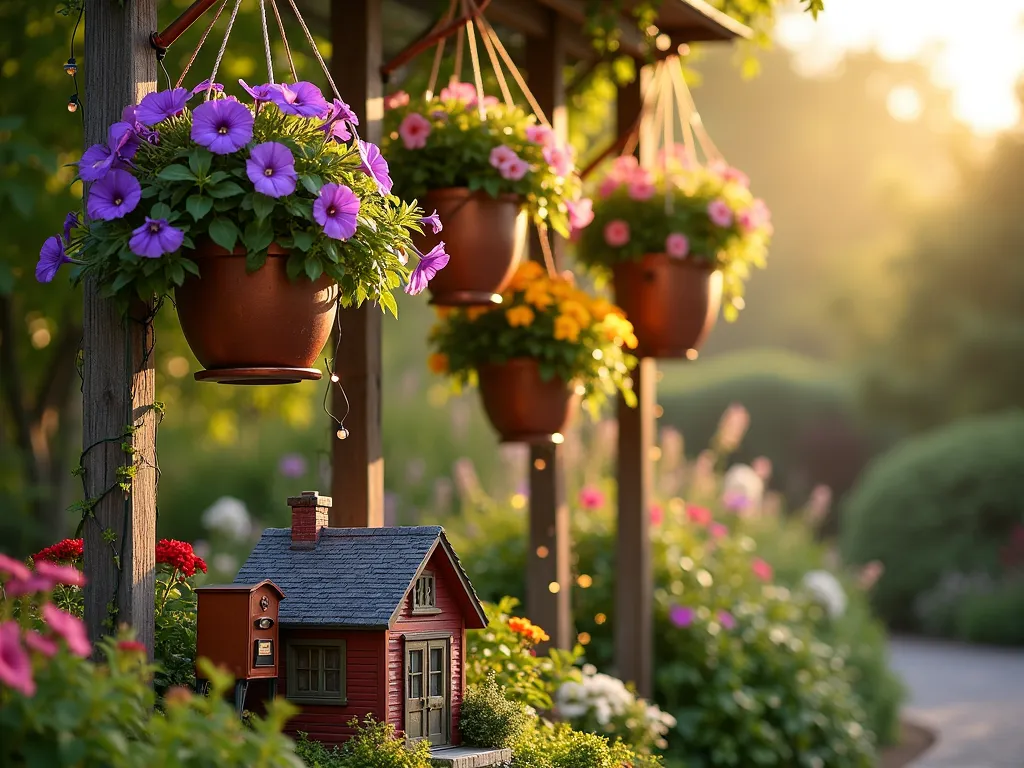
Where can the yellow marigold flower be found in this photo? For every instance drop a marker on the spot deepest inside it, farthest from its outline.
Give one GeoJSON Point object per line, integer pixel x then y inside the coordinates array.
{"type": "Point", "coordinates": [560, 289]}
{"type": "Point", "coordinates": [538, 635]}
{"type": "Point", "coordinates": [438, 363]}
{"type": "Point", "coordinates": [530, 270]}
{"type": "Point", "coordinates": [519, 316]}
{"type": "Point", "coordinates": [576, 311]}
{"type": "Point", "coordinates": [537, 294]}
{"type": "Point", "coordinates": [600, 308]}
{"type": "Point", "coordinates": [475, 313]}
{"type": "Point", "coordinates": [566, 328]}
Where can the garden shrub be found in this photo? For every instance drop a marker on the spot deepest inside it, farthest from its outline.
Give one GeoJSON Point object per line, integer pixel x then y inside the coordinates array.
{"type": "Point", "coordinates": [489, 718]}
{"type": "Point", "coordinates": [943, 502]}
{"type": "Point", "coordinates": [557, 745]}
{"type": "Point", "coordinates": [996, 616]}
{"type": "Point", "coordinates": [57, 708]}
{"type": "Point", "coordinates": [374, 745]}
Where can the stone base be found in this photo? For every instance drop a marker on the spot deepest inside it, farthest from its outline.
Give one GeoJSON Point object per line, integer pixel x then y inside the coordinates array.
{"type": "Point", "coordinates": [469, 757]}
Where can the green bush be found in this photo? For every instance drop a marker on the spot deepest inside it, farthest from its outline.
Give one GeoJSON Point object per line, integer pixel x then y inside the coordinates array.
{"type": "Point", "coordinates": [374, 745]}
{"type": "Point", "coordinates": [994, 617]}
{"type": "Point", "coordinates": [557, 745]}
{"type": "Point", "coordinates": [938, 504]}
{"type": "Point", "coordinates": [489, 718]}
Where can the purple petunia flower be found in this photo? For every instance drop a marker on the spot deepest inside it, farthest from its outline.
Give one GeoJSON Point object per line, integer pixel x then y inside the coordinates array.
{"type": "Point", "coordinates": [302, 99]}
{"type": "Point", "coordinates": [222, 126]}
{"type": "Point", "coordinates": [51, 257]}
{"type": "Point", "coordinates": [122, 140]}
{"type": "Point", "coordinates": [434, 221]}
{"type": "Point", "coordinates": [336, 210]}
{"type": "Point", "coordinates": [156, 107]}
{"type": "Point", "coordinates": [339, 116]}
{"type": "Point", "coordinates": [96, 162]}
{"type": "Point", "coordinates": [145, 134]}
{"type": "Point", "coordinates": [205, 86]}
{"type": "Point", "coordinates": [343, 111]}
{"type": "Point", "coordinates": [155, 238]}
{"type": "Point", "coordinates": [681, 616]}
{"type": "Point", "coordinates": [292, 465]}
{"type": "Point", "coordinates": [430, 264]}
{"type": "Point", "coordinates": [271, 169]}
{"type": "Point", "coordinates": [726, 619]}
{"type": "Point", "coordinates": [70, 222]}
{"type": "Point", "coordinates": [259, 93]}
{"type": "Point", "coordinates": [113, 196]}
{"type": "Point", "coordinates": [375, 166]}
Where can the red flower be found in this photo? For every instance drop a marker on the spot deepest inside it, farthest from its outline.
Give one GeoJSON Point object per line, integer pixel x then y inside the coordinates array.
{"type": "Point", "coordinates": [761, 569]}
{"type": "Point", "coordinates": [61, 552]}
{"type": "Point", "coordinates": [131, 646]}
{"type": "Point", "coordinates": [699, 515]}
{"type": "Point", "coordinates": [180, 556]}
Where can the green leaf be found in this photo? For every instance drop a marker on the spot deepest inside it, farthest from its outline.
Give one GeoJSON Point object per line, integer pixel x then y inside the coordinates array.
{"type": "Point", "coordinates": [387, 300]}
{"type": "Point", "coordinates": [178, 274]}
{"type": "Point", "coordinates": [122, 279]}
{"type": "Point", "coordinates": [314, 268]}
{"type": "Point", "coordinates": [190, 266]}
{"type": "Point", "coordinates": [303, 240]}
{"type": "Point", "coordinates": [257, 236]}
{"type": "Point", "coordinates": [160, 211]}
{"type": "Point", "coordinates": [224, 189]}
{"type": "Point", "coordinates": [176, 173]}
{"type": "Point", "coordinates": [262, 205]}
{"type": "Point", "coordinates": [198, 206]}
{"type": "Point", "coordinates": [294, 266]}
{"type": "Point", "coordinates": [254, 260]}
{"type": "Point", "coordinates": [199, 160]}
{"type": "Point", "coordinates": [311, 182]}
{"type": "Point", "coordinates": [224, 233]}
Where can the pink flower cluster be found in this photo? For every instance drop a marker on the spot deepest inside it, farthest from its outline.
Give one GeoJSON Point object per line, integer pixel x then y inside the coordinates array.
{"type": "Point", "coordinates": [17, 643]}
{"type": "Point", "coordinates": [510, 165]}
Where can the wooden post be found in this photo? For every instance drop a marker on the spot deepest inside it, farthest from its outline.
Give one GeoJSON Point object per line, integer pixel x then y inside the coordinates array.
{"type": "Point", "coordinates": [357, 480]}
{"type": "Point", "coordinates": [118, 386]}
{"type": "Point", "coordinates": [634, 617]}
{"type": "Point", "coordinates": [549, 574]}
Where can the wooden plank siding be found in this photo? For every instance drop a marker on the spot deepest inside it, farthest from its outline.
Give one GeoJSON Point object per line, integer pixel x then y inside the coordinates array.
{"type": "Point", "coordinates": [448, 621]}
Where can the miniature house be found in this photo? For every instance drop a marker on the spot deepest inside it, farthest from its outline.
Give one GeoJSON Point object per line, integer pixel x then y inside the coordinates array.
{"type": "Point", "coordinates": [374, 624]}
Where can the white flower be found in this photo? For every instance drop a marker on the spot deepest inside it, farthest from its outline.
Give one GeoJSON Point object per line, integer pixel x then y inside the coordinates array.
{"type": "Point", "coordinates": [229, 516]}
{"type": "Point", "coordinates": [225, 563]}
{"type": "Point", "coordinates": [741, 481]}
{"type": "Point", "coordinates": [826, 589]}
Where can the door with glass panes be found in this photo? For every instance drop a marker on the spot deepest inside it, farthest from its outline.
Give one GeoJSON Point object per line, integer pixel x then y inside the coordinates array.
{"type": "Point", "coordinates": [427, 699]}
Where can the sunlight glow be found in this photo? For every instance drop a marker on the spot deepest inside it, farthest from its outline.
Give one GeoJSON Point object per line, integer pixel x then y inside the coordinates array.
{"type": "Point", "coordinates": [974, 50]}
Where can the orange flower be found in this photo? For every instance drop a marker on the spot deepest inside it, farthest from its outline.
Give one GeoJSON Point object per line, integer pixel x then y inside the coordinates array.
{"type": "Point", "coordinates": [519, 316]}
{"type": "Point", "coordinates": [537, 294]}
{"type": "Point", "coordinates": [600, 308]}
{"type": "Point", "coordinates": [519, 626]}
{"type": "Point", "coordinates": [475, 313]}
{"type": "Point", "coordinates": [576, 311]}
{"type": "Point", "coordinates": [438, 363]}
{"type": "Point", "coordinates": [443, 313]}
{"type": "Point", "coordinates": [566, 328]}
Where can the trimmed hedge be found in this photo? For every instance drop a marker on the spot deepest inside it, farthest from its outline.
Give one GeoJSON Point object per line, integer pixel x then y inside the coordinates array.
{"type": "Point", "coordinates": [938, 505]}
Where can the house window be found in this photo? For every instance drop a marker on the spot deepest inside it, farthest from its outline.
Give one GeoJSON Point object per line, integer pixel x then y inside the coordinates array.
{"type": "Point", "coordinates": [316, 671]}
{"type": "Point", "coordinates": [424, 598]}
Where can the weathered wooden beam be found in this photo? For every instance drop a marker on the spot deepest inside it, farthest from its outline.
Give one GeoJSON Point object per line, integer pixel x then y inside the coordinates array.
{"type": "Point", "coordinates": [549, 573]}
{"type": "Point", "coordinates": [357, 480]}
{"type": "Point", "coordinates": [634, 602]}
{"type": "Point", "coordinates": [118, 386]}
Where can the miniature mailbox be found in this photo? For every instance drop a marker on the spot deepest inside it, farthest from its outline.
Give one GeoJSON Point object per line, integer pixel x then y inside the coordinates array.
{"type": "Point", "coordinates": [238, 630]}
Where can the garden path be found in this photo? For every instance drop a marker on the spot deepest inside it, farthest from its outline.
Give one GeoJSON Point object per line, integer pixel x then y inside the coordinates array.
{"type": "Point", "coordinates": [972, 696]}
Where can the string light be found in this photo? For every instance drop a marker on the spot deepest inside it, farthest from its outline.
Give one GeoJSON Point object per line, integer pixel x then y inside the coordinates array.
{"type": "Point", "coordinates": [335, 380]}
{"type": "Point", "coordinates": [73, 103]}
{"type": "Point", "coordinates": [71, 67]}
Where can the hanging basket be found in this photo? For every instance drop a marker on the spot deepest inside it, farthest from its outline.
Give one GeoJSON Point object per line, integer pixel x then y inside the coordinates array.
{"type": "Point", "coordinates": [522, 407]}
{"type": "Point", "coordinates": [672, 303]}
{"type": "Point", "coordinates": [258, 327]}
{"type": "Point", "coordinates": [485, 238]}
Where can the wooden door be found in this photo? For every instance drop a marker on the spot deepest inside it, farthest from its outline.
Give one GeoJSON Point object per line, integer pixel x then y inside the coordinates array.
{"type": "Point", "coordinates": [427, 691]}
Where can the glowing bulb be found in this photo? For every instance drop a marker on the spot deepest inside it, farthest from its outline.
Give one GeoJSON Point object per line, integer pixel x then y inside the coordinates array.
{"type": "Point", "coordinates": [335, 378]}
{"type": "Point", "coordinates": [342, 433]}
{"type": "Point", "coordinates": [73, 103]}
{"type": "Point", "coordinates": [71, 67]}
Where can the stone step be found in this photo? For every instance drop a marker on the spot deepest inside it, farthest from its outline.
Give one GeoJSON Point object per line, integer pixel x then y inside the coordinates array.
{"type": "Point", "coordinates": [469, 757]}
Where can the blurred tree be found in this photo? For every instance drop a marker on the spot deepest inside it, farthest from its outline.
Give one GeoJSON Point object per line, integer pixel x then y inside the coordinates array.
{"type": "Point", "coordinates": [956, 347]}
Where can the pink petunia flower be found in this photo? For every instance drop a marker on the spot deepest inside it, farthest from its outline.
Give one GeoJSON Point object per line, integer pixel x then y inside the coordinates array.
{"type": "Point", "coordinates": [641, 185]}
{"type": "Point", "coordinates": [591, 497]}
{"type": "Point", "coordinates": [514, 170]}
{"type": "Point", "coordinates": [60, 574]}
{"type": "Point", "coordinates": [15, 665]}
{"type": "Point", "coordinates": [69, 627]}
{"type": "Point", "coordinates": [720, 213]}
{"type": "Point", "coordinates": [698, 515]}
{"type": "Point", "coordinates": [40, 643]}
{"type": "Point", "coordinates": [414, 130]}
{"type": "Point", "coordinates": [624, 167]}
{"type": "Point", "coordinates": [616, 233]}
{"type": "Point", "coordinates": [559, 158]}
{"type": "Point", "coordinates": [657, 514]}
{"type": "Point", "coordinates": [540, 134]}
{"type": "Point", "coordinates": [761, 569]}
{"type": "Point", "coordinates": [581, 213]}
{"type": "Point", "coordinates": [396, 100]}
{"type": "Point", "coordinates": [14, 568]}
{"type": "Point", "coordinates": [677, 246]}
{"type": "Point", "coordinates": [681, 616]}
{"type": "Point", "coordinates": [718, 531]}
{"type": "Point", "coordinates": [608, 187]}
{"type": "Point", "coordinates": [501, 156]}
{"type": "Point", "coordinates": [459, 92]}
{"type": "Point", "coordinates": [30, 586]}
{"type": "Point", "coordinates": [726, 619]}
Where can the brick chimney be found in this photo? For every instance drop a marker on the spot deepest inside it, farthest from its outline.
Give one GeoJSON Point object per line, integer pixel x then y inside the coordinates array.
{"type": "Point", "coordinates": [309, 515]}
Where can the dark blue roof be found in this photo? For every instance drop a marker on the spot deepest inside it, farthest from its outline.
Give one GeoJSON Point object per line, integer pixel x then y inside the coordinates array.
{"type": "Point", "coordinates": [355, 577]}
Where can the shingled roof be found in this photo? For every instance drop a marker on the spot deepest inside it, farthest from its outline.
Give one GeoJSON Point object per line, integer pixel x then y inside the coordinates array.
{"type": "Point", "coordinates": [354, 577]}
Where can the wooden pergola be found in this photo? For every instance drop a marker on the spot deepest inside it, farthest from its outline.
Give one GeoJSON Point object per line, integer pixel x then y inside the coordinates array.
{"type": "Point", "coordinates": [120, 69]}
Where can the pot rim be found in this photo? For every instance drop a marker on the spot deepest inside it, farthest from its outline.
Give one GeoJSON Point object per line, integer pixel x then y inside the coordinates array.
{"type": "Point", "coordinates": [460, 192]}
{"type": "Point", "coordinates": [206, 249]}
{"type": "Point", "coordinates": [526, 362]}
{"type": "Point", "coordinates": [685, 261]}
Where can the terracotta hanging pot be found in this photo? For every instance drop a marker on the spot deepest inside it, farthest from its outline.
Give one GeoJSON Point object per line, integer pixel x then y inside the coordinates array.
{"type": "Point", "coordinates": [522, 407]}
{"type": "Point", "coordinates": [672, 303]}
{"type": "Point", "coordinates": [485, 238]}
{"type": "Point", "coordinates": [254, 328]}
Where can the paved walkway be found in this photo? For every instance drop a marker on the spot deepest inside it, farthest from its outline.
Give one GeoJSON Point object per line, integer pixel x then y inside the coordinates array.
{"type": "Point", "coordinates": [973, 697]}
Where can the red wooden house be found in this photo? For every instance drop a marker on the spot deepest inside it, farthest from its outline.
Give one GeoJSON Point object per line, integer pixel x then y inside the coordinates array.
{"type": "Point", "coordinates": [374, 623]}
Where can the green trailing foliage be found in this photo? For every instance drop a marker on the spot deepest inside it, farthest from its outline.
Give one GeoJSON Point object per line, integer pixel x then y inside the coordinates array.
{"type": "Point", "coordinates": [940, 511]}
{"type": "Point", "coordinates": [374, 745]}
